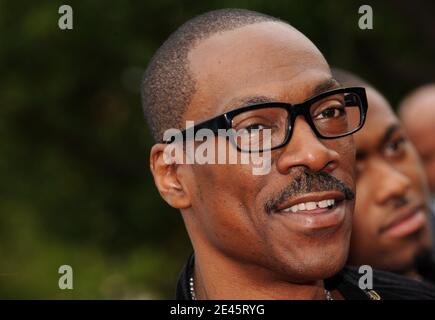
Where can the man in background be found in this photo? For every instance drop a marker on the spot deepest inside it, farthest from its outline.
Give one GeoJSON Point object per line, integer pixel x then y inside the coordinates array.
{"type": "Point", "coordinates": [417, 113]}
{"type": "Point", "coordinates": [390, 227]}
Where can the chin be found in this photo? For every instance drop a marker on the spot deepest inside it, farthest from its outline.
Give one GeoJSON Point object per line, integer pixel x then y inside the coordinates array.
{"type": "Point", "coordinates": [314, 258]}
{"type": "Point", "coordinates": [328, 258]}
{"type": "Point", "coordinates": [324, 267]}
{"type": "Point", "coordinates": [315, 264]}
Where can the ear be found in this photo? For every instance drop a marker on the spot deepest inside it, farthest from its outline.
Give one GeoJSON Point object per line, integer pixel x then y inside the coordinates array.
{"type": "Point", "coordinates": [167, 178]}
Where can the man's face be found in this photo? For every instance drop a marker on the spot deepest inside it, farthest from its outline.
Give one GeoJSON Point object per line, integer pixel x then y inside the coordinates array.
{"type": "Point", "coordinates": [228, 212]}
{"type": "Point", "coordinates": [419, 121]}
{"type": "Point", "coordinates": [389, 225]}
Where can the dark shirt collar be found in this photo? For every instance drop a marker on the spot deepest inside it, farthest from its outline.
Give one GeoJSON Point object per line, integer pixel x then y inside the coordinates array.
{"type": "Point", "coordinates": [342, 282]}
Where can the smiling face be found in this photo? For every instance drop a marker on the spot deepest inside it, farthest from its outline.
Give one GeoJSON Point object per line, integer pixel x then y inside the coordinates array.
{"type": "Point", "coordinates": [225, 207]}
{"type": "Point", "coordinates": [390, 225]}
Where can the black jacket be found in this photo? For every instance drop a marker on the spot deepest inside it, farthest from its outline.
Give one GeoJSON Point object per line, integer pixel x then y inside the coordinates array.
{"type": "Point", "coordinates": [387, 286]}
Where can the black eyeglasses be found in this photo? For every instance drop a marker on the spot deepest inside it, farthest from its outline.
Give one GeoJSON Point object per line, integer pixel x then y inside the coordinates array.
{"type": "Point", "coordinates": [331, 115]}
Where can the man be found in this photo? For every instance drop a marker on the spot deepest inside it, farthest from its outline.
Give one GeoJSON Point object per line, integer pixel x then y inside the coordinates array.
{"type": "Point", "coordinates": [390, 224]}
{"type": "Point", "coordinates": [417, 113]}
{"type": "Point", "coordinates": [273, 236]}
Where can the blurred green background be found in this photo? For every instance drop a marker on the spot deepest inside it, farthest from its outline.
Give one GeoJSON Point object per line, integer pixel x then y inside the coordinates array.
{"type": "Point", "coordinates": [75, 186]}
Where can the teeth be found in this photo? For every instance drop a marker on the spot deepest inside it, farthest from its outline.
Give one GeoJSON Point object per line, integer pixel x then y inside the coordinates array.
{"type": "Point", "coordinates": [310, 205]}
{"type": "Point", "coordinates": [323, 203]}
{"type": "Point", "coordinates": [331, 202]}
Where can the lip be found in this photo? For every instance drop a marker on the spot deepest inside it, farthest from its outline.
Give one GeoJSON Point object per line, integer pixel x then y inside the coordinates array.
{"type": "Point", "coordinates": [313, 197]}
{"type": "Point", "coordinates": [315, 219]}
{"type": "Point", "coordinates": [408, 222]}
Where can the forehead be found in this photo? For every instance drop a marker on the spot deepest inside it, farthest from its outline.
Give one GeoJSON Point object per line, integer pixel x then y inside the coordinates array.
{"type": "Point", "coordinates": [419, 119]}
{"type": "Point", "coordinates": [422, 102]}
{"type": "Point", "coordinates": [380, 117]}
{"type": "Point", "coordinates": [419, 115]}
{"type": "Point", "coordinates": [266, 59]}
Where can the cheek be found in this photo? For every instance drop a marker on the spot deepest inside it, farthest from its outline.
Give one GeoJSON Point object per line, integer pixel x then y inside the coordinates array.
{"type": "Point", "coordinates": [412, 168]}
{"type": "Point", "coordinates": [345, 148]}
{"type": "Point", "coordinates": [430, 171]}
{"type": "Point", "coordinates": [218, 184]}
{"type": "Point", "coordinates": [225, 196]}
{"type": "Point", "coordinates": [364, 219]}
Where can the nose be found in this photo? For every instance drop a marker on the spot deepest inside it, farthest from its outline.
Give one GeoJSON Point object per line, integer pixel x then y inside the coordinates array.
{"type": "Point", "coordinates": [393, 184]}
{"type": "Point", "coordinates": [305, 149]}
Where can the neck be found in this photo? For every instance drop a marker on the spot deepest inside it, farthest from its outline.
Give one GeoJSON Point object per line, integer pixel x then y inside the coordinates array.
{"type": "Point", "coordinates": [217, 276]}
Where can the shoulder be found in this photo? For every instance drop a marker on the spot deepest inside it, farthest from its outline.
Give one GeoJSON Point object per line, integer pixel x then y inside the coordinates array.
{"type": "Point", "coordinates": [391, 286]}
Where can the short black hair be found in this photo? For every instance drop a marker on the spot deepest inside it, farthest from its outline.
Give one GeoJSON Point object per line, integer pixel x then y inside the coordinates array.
{"type": "Point", "coordinates": [168, 84]}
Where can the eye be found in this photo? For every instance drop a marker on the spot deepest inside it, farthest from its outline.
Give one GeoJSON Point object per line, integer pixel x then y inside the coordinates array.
{"type": "Point", "coordinates": [331, 112]}
{"type": "Point", "coordinates": [256, 126]}
{"type": "Point", "coordinates": [395, 147]}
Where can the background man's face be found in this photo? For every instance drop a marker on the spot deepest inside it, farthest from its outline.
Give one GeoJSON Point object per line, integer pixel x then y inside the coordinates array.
{"type": "Point", "coordinates": [389, 225]}
{"type": "Point", "coordinates": [419, 121]}
{"type": "Point", "coordinates": [228, 202]}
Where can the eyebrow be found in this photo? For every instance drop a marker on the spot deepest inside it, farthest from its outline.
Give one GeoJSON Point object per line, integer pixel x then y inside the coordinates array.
{"type": "Point", "coordinates": [323, 86]}
{"type": "Point", "coordinates": [388, 133]}
{"type": "Point", "coordinates": [362, 153]}
{"type": "Point", "coordinates": [246, 101]}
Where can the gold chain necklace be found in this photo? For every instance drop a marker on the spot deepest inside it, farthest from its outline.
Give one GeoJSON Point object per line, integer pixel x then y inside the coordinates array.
{"type": "Point", "coordinates": [328, 295]}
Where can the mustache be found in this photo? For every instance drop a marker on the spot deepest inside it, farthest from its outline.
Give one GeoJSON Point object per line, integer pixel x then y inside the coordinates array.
{"type": "Point", "coordinates": [306, 182]}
